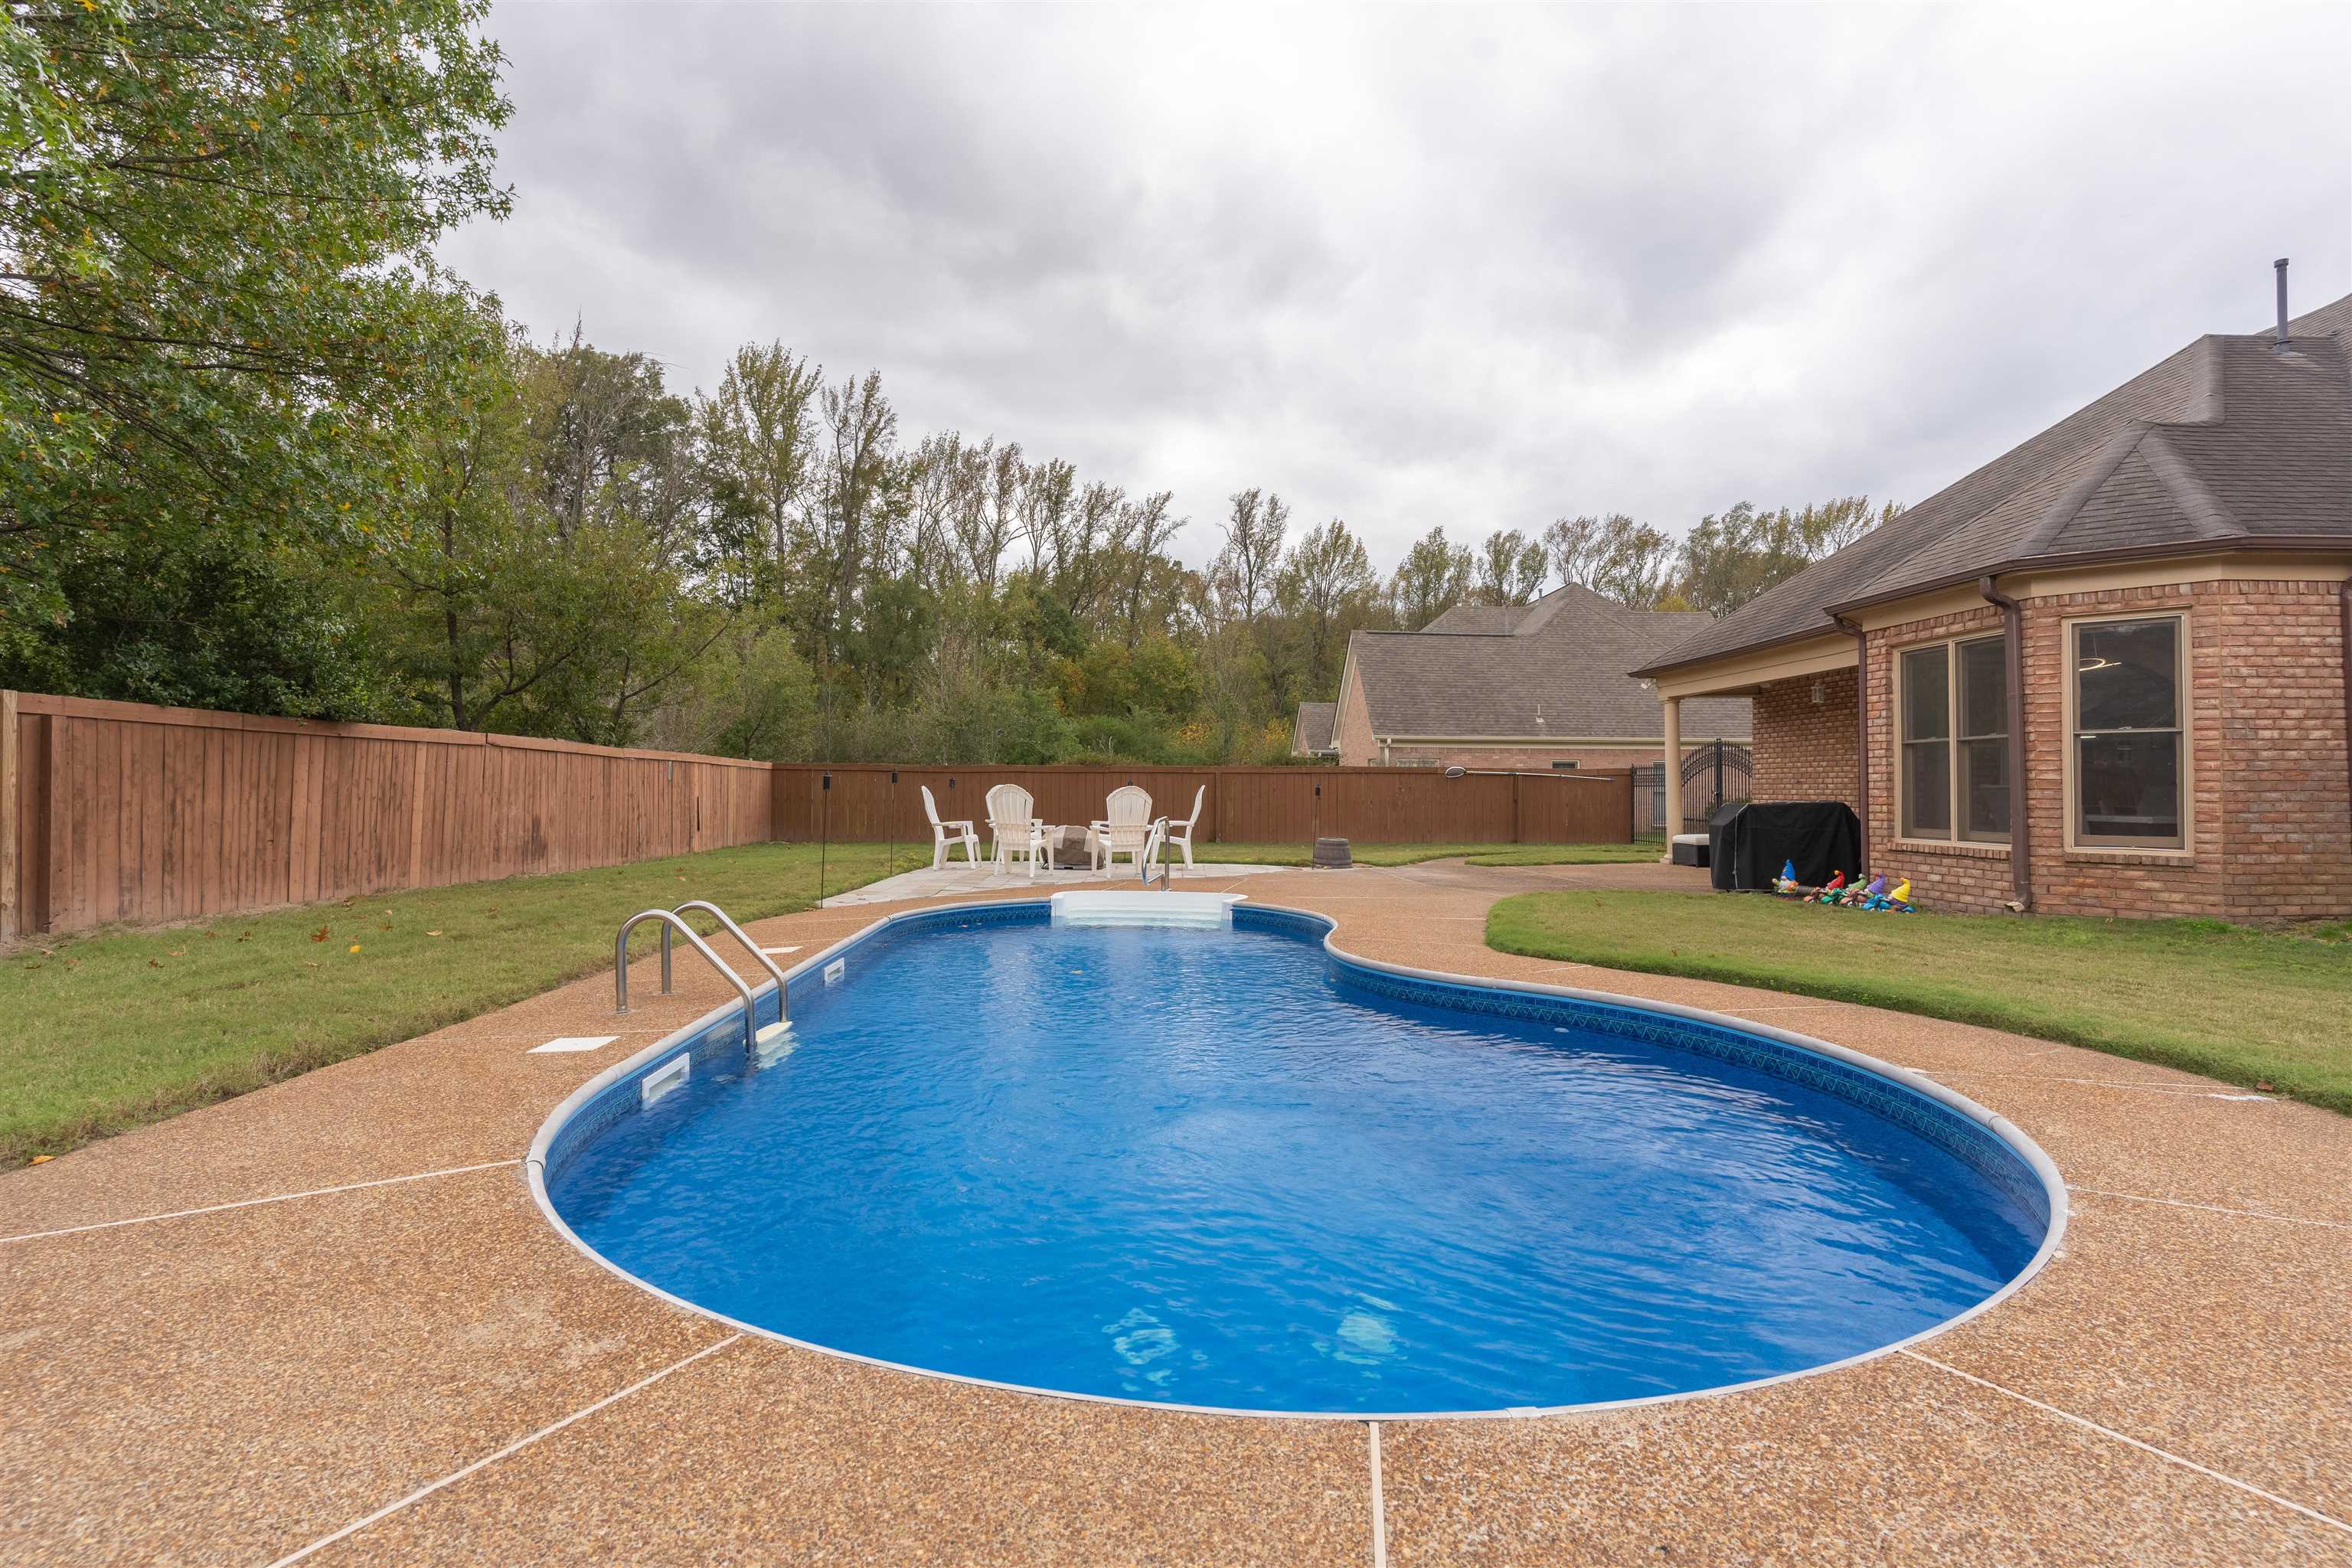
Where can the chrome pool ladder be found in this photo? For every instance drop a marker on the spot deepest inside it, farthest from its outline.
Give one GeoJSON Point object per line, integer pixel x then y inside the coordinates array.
{"type": "Point", "coordinates": [674, 921]}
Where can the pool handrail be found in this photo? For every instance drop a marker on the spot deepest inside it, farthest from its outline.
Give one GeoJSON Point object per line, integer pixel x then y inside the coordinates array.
{"type": "Point", "coordinates": [668, 919]}
{"type": "Point", "coordinates": [783, 1006]}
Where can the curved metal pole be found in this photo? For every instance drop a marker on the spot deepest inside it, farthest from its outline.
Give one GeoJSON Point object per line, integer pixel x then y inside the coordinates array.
{"type": "Point", "coordinates": [621, 965]}
{"type": "Point", "coordinates": [783, 1008]}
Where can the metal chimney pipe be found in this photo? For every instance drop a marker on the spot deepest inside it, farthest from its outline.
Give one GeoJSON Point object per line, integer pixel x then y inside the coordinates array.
{"type": "Point", "coordinates": [2280, 267]}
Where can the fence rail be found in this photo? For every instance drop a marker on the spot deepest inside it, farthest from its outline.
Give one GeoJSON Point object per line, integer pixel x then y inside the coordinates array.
{"type": "Point", "coordinates": [123, 812]}
{"type": "Point", "coordinates": [120, 812]}
{"type": "Point", "coordinates": [1239, 804]}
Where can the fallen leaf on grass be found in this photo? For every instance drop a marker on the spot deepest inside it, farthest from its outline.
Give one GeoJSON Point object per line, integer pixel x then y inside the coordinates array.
{"type": "Point", "coordinates": [178, 952]}
{"type": "Point", "coordinates": [355, 947]}
{"type": "Point", "coordinates": [321, 934]}
{"type": "Point", "coordinates": [154, 963]}
{"type": "Point", "coordinates": [432, 934]}
{"type": "Point", "coordinates": [40, 1159]}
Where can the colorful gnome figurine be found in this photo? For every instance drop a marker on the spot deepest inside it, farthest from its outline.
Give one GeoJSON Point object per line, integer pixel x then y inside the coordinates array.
{"type": "Point", "coordinates": [1869, 896]}
{"type": "Point", "coordinates": [1832, 890]}
{"type": "Point", "coordinates": [1785, 884]}
{"type": "Point", "coordinates": [1899, 899]}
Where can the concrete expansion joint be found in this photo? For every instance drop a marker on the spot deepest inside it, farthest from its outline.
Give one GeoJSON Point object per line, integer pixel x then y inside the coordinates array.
{"type": "Point", "coordinates": [2211, 1208]}
{"type": "Point", "coordinates": [2165, 1454]}
{"type": "Point", "coordinates": [255, 1203]}
{"type": "Point", "coordinates": [487, 1460]}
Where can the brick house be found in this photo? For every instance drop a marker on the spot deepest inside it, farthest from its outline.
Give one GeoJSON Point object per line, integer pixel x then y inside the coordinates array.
{"type": "Point", "coordinates": [1518, 686]}
{"type": "Point", "coordinates": [2136, 623]}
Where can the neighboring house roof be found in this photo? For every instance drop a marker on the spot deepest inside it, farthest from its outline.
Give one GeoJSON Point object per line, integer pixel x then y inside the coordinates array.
{"type": "Point", "coordinates": [1482, 618]}
{"type": "Point", "coordinates": [1558, 673]}
{"type": "Point", "coordinates": [1310, 733]}
{"type": "Point", "coordinates": [2231, 442]}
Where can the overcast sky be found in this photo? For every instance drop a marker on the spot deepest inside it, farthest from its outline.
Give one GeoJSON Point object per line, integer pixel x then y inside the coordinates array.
{"type": "Point", "coordinates": [1407, 267]}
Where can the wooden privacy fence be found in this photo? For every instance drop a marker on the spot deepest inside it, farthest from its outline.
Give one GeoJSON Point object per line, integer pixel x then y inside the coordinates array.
{"type": "Point", "coordinates": [119, 812]}
{"type": "Point", "coordinates": [1245, 805]}
{"type": "Point", "coordinates": [116, 811]}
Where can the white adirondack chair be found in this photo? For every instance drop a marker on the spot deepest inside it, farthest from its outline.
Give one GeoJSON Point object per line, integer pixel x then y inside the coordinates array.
{"type": "Point", "coordinates": [945, 833]}
{"type": "Point", "coordinates": [1125, 829]}
{"type": "Point", "coordinates": [1179, 835]}
{"type": "Point", "coordinates": [1015, 829]}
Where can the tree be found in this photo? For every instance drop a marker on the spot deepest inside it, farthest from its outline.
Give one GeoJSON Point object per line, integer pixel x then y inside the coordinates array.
{"type": "Point", "coordinates": [1242, 577]}
{"type": "Point", "coordinates": [861, 496]}
{"type": "Point", "coordinates": [218, 309]}
{"type": "Point", "coordinates": [1433, 577]}
{"type": "Point", "coordinates": [1510, 568]}
{"type": "Point", "coordinates": [1327, 586]}
{"type": "Point", "coordinates": [759, 437]}
{"type": "Point", "coordinates": [1729, 559]}
{"type": "Point", "coordinates": [1573, 546]}
{"type": "Point", "coordinates": [541, 572]}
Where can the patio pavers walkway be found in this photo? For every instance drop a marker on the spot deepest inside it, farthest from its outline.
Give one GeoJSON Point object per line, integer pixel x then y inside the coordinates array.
{"type": "Point", "coordinates": [421, 1371]}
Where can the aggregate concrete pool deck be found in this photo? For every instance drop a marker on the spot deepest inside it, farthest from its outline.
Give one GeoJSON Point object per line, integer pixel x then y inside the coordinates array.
{"type": "Point", "coordinates": [325, 1323]}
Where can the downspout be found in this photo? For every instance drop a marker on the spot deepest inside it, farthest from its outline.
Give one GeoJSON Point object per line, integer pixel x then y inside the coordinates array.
{"type": "Point", "coordinates": [2021, 820]}
{"type": "Point", "coordinates": [2343, 592]}
{"type": "Point", "coordinates": [1860, 729]}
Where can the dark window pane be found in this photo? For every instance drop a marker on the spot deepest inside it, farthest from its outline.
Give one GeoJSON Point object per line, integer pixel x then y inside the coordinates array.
{"type": "Point", "coordinates": [1927, 697]}
{"type": "Point", "coordinates": [2125, 675]}
{"type": "Point", "coordinates": [1984, 789]}
{"type": "Point", "coordinates": [1926, 790]}
{"type": "Point", "coordinates": [2129, 786]}
{"type": "Point", "coordinates": [1984, 688]}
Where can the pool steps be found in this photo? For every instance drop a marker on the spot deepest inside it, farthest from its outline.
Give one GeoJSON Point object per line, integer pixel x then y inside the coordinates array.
{"type": "Point", "coordinates": [1109, 908]}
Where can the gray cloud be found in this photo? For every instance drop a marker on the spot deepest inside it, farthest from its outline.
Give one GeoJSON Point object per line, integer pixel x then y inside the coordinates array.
{"type": "Point", "coordinates": [1461, 265]}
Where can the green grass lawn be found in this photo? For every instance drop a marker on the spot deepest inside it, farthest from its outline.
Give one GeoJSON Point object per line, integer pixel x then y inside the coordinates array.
{"type": "Point", "coordinates": [2266, 1009]}
{"type": "Point", "coordinates": [109, 1030]}
{"type": "Point", "coordinates": [1408, 854]}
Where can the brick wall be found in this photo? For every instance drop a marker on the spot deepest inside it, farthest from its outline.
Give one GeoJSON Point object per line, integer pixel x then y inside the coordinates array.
{"type": "Point", "coordinates": [2269, 815]}
{"type": "Point", "coordinates": [1352, 729]}
{"type": "Point", "coordinates": [1804, 750]}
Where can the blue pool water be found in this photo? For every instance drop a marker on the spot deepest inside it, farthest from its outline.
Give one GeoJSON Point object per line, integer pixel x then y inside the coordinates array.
{"type": "Point", "coordinates": [1217, 1168]}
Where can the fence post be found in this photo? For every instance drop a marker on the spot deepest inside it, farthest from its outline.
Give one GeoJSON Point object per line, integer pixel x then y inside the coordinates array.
{"type": "Point", "coordinates": [1518, 817]}
{"type": "Point", "coordinates": [11, 814]}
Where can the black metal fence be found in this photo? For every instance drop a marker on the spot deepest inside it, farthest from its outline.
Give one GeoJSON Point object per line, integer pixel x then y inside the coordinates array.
{"type": "Point", "coordinates": [1714, 774]}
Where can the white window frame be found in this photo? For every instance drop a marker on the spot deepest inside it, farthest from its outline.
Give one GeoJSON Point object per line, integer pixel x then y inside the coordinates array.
{"type": "Point", "coordinates": [1955, 817]}
{"type": "Point", "coordinates": [2184, 711]}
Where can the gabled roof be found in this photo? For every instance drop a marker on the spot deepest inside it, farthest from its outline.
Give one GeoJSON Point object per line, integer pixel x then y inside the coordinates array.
{"type": "Point", "coordinates": [1311, 732]}
{"type": "Point", "coordinates": [1558, 672]}
{"type": "Point", "coordinates": [1491, 619]}
{"type": "Point", "coordinates": [2231, 442]}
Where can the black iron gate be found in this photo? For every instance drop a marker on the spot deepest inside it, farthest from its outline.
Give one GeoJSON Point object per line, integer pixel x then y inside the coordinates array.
{"type": "Point", "coordinates": [1713, 775]}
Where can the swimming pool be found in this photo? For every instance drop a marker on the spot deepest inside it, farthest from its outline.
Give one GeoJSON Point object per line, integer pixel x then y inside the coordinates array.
{"type": "Point", "coordinates": [1229, 1169]}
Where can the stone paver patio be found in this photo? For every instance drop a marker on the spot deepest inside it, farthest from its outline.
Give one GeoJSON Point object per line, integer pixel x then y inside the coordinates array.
{"type": "Point", "coordinates": [325, 1323]}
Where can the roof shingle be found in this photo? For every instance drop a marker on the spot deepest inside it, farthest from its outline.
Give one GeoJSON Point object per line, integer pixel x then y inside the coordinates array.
{"type": "Point", "coordinates": [1559, 673]}
{"type": "Point", "coordinates": [2231, 439]}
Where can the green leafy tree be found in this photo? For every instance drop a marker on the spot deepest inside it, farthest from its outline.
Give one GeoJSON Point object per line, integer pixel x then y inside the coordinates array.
{"type": "Point", "coordinates": [1729, 559]}
{"type": "Point", "coordinates": [218, 310]}
{"type": "Point", "coordinates": [1326, 589]}
{"type": "Point", "coordinates": [1510, 568]}
{"type": "Point", "coordinates": [1433, 577]}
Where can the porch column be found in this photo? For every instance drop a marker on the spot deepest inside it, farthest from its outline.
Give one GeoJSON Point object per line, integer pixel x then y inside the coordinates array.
{"type": "Point", "coordinates": [1673, 706]}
